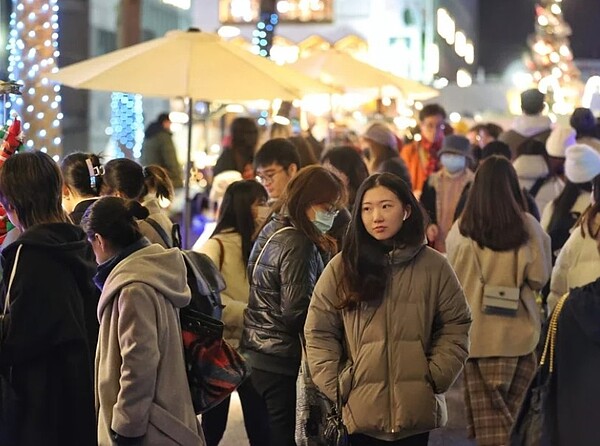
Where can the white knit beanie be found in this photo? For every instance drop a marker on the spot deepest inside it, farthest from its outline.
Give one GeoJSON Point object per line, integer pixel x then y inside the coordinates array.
{"type": "Point", "coordinates": [560, 138]}
{"type": "Point", "coordinates": [582, 164]}
{"type": "Point", "coordinates": [220, 184]}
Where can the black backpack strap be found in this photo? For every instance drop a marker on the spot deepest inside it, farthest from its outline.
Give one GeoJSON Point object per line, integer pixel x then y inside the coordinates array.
{"type": "Point", "coordinates": [537, 186]}
{"type": "Point", "coordinates": [176, 235]}
{"type": "Point", "coordinates": [160, 231]}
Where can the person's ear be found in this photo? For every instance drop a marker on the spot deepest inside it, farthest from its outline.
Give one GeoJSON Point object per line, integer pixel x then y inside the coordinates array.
{"type": "Point", "coordinates": [292, 170]}
{"type": "Point", "coordinates": [407, 212]}
{"type": "Point", "coordinates": [66, 193]}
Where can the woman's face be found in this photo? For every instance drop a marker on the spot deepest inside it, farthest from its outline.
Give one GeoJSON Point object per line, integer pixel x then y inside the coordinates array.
{"type": "Point", "coordinates": [383, 213]}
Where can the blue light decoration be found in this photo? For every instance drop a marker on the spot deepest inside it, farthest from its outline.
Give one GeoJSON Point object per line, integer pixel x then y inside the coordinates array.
{"type": "Point", "coordinates": [262, 36]}
{"type": "Point", "coordinates": [33, 51]}
{"type": "Point", "coordinates": [127, 125]}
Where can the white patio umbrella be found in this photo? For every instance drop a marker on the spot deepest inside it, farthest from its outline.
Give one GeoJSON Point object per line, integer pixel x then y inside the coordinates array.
{"type": "Point", "coordinates": [338, 68]}
{"type": "Point", "coordinates": [195, 65]}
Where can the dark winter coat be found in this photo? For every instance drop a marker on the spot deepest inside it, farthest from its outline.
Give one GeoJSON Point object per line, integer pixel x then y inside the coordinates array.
{"type": "Point", "coordinates": [572, 408]}
{"type": "Point", "coordinates": [158, 148]}
{"type": "Point", "coordinates": [45, 343]}
{"type": "Point", "coordinates": [280, 291]}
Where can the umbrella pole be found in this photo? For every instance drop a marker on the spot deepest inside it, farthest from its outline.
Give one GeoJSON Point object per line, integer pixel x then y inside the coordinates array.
{"type": "Point", "coordinates": [187, 207]}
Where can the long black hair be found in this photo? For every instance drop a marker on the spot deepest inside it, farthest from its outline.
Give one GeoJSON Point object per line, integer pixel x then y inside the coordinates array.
{"type": "Point", "coordinates": [349, 162]}
{"type": "Point", "coordinates": [363, 257]}
{"type": "Point", "coordinates": [494, 214]}
{"type": "Point", "coordinates": [235, 212]}
{"type": "Point", "coordinates": [565, 201]}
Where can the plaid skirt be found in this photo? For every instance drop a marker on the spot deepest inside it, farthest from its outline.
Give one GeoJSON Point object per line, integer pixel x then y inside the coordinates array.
{"type": "Point", "coordinates": [494, 392]}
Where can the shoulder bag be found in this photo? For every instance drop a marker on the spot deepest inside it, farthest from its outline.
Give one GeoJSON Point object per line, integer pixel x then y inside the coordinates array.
{"type": "Point", "coordinates": [498, 300]}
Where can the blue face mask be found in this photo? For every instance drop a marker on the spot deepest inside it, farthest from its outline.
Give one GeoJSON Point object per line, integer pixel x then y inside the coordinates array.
{"type": "Point", "coordinates": [453, 163]}
{"type": "Point", "coordinates": [324, 220]}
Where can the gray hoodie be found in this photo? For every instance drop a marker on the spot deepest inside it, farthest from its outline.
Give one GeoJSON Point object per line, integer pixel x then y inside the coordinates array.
{"type": "Point", "coordinates": [141, 383]}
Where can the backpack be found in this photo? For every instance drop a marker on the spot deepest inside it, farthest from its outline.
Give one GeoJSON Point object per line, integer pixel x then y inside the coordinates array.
{"type": "Point", "coordinates": [214, 368]}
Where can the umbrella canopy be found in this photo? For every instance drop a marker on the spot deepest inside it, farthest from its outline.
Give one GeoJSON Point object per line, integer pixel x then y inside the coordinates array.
{"type": "Point", "coordinates": [335, 67]}
{"type": "Point", "coordinates": [191, 64]}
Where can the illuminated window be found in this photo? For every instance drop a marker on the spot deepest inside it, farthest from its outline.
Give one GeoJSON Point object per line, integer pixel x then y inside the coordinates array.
{"type": "Point", "coordinates": [305, 11]}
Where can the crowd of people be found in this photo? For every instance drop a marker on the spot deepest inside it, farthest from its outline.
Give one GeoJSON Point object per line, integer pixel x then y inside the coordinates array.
{"type": "Point", "coordinates": [391, 268]}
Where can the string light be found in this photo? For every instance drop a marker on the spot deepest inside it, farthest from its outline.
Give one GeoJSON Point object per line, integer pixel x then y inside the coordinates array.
{"type": "Point", "coordinates": [33, 47]}
{"type": "Point", "coordinates": [126, 124]}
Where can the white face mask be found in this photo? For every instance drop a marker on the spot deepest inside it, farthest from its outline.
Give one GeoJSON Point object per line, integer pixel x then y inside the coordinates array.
{"type": "Point", "coordinates": [453, 163]}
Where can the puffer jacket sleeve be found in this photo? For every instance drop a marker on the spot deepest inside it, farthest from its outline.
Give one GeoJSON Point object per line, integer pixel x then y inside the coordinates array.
{"type": "Point", "coordinates": [324, 334]}
{"type": "Point", "coordinates": [450, 335]}
{"type": "Point", "coordinates": [300, 268]}
{"type": "Point", "coordinates": [558, 281]}
{"type": "Point", "coordinates": [539, 267]}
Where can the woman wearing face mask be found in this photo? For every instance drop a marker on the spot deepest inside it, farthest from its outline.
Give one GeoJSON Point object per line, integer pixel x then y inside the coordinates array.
{"type": "Point", "coordinates": [443, 189]}
{"type": "Point", "coordinates": [286, 261]}
{"type": "Point", "coordinates": [388, 322]}
{"type": "Point", "coordinates": [243, 211]}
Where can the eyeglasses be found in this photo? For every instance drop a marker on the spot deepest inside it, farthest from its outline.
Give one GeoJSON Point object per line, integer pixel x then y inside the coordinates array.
{"type": "Point", "coordinates": [268, 177]}
{"type": "Point", "coordinates": [331, 212]}
{"type": "Point", "coordinates": [435, 126]}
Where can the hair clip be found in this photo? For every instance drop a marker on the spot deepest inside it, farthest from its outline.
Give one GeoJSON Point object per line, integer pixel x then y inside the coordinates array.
{"type": "Point", "coordinates": [94, 171]}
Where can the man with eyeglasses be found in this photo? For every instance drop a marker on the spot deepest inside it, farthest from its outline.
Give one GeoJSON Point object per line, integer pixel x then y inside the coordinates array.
{"type": "Point", "coordinates": [420, 156]}
{"type": "Point", "coordinates": [276, 163]}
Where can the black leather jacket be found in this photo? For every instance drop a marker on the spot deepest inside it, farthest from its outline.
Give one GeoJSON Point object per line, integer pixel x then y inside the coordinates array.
{"type": "Point", "coordinates": [280, 291]}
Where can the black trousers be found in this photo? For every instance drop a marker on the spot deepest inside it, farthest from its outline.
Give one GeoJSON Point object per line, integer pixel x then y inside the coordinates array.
{"type": "Point", "coordinates": [256, 419]}
{"type": "Point", "coordinates": [279, 394]}
{"type": "Point", "coordinates": [364, 440]}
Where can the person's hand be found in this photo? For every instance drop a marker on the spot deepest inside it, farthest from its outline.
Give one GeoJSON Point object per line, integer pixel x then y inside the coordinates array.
{"type": "Point", "coordinates": [432, 232]}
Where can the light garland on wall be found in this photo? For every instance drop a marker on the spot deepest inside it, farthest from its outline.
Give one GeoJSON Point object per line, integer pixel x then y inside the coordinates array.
{"type": "Point", "coordinates": [33, 46]}
{"type": "Point", "coordinates": [127, 124]}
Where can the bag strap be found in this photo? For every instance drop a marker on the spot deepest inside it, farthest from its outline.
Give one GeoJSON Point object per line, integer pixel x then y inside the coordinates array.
{"type": "Point", "coordinates": [550, 344]}
{"type": "Point", "coordinates": [262, 251]}
{"type": "Point", "coordinates": [10, 281]}
{"type": "Point", "coordinates": [480, 270]}
{"type": "Point", "coordinates": [222, 255]}
{"type": "Point", "coordinates": [160, 231]}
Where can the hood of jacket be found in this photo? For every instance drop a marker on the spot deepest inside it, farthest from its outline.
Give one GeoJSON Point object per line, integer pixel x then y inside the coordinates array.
{"type": "Point", "coordinates": [66, 242]}
{"type": "Point", "coordinates": [529, 126]}
{"type": "Point", "coordinates": [584, 304]}
{"type": "Point", "coordinates": [162, 269]}
{"type": "Point", "coordinates": [531, 167]}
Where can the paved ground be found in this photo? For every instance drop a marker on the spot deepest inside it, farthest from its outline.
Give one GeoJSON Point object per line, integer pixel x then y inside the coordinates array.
{"type": "Point", "coordinates": [453, 435]}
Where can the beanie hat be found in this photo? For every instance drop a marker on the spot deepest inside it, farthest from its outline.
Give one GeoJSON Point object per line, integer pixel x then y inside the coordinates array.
{"type": "Point", "coordinates": [456, 144]}
{"type": "Point", "coordinates": [496, 148]}
{"type": "Point", "coordinates": [560, 138]}
{"type": "Point", "coordinates": [532, 101]}
{"type": "Point", "coordinates": [382, 134]}
{"type": "Point", "coordinates": [583, 120]}
{"type": "Point", "coordinates": [582, 164]}
{"type": "Point", "coordinates": [220, 184]}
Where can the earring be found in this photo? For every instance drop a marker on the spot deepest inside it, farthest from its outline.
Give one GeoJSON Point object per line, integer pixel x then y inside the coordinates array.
{"type": "Point", "coordinates": [405, 216]}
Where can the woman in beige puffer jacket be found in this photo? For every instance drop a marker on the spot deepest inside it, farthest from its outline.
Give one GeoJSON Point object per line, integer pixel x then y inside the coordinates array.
{"type": "Point", "coordinates": [388, 322]}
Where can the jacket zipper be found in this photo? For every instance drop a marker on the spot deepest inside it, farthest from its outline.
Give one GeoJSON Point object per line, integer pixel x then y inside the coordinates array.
{"type": "Point", "coordinates": [389, 356]}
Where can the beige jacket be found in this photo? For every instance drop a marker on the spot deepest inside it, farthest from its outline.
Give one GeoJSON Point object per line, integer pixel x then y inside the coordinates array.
{"type": "Point", "coordinates": [235, 296]}
{"type": "Point", "coordinates": [577, 264]}
{"type": "Point", "coordinates": [159, 215]}
{"type": "Point", "coordinates": [141, 383]}
{"type": "Point", "coordinates": [528, 268]}
{"type": "Point", "coordinates": [405, 352]}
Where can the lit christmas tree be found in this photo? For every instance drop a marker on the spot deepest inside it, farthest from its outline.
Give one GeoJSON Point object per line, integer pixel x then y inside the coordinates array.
{"type": "Point", "coordinates": [551, 59]}
{"type": "Point", "coordinates": [33, 45]}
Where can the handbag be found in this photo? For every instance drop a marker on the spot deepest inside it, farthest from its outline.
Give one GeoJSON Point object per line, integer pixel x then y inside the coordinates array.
{"type": "Point", "coordinates": [528, 429]}
{"type": "Point", "coordinates": [498, 300]}
{"type": "Point", "coordinates": [318, 420]}
{"type": "Point", "coordinates": [214, 368]}
{"type": "Point", "coordinates": [9, 402]}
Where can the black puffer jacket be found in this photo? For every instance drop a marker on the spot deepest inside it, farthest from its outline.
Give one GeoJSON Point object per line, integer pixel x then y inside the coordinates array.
{"type": "Point", "coordinates": [280, 290]}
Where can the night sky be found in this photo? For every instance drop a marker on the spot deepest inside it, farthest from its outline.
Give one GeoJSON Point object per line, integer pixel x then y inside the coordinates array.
{"type": "Point", "coordinates": [506, 24]}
